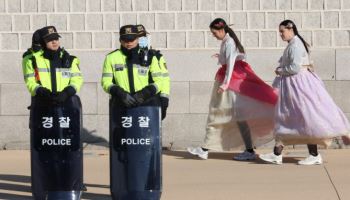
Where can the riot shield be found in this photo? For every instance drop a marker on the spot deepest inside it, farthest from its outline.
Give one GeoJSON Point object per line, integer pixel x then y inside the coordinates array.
{"type": "Point", "coordinates": [56, 150]}
{"type": "Point", "coordinates": [135, 153]}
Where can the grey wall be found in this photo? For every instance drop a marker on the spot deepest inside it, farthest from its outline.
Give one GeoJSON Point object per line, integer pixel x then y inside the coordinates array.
{"type": "Point", "coordinates": [89, 30]}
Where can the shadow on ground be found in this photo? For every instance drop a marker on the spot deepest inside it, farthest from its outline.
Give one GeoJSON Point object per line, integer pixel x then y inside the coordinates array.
{"type": "Point", "coordinates": [10, 184]}
{"type": "Point", "coordinates": [89, 138]}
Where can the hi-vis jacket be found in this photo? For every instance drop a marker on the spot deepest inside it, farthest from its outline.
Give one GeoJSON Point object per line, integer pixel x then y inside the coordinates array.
{"type": "Point", "coordinates": [37, 73]}
{"type": "Point", "coordinates": [165, 89]}
{"type": "Point", "coordinates": [115, 71]}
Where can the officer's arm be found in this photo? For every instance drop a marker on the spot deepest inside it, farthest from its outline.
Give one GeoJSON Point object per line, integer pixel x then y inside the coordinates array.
{"type": "Point", "coordinates": [76, 79]}
{"type": "Point", "coordinates": [165, 89]}
{"type": "Point", "coordinates": [157, 75]}
{"type": "Point", "coordinates": [107, 76]}
{"type": "Point", "coordinates": [29, 75]}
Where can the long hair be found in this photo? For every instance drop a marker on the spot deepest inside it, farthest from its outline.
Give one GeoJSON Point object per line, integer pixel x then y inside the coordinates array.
{"type": "Point", "coordinates": [219, 24]}
{"type": "Point", "coordinates": [289, 24]}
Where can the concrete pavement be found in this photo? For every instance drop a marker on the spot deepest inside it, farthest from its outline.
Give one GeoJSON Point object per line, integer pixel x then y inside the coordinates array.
{"type": "Point", "coordinates": [219, 178]}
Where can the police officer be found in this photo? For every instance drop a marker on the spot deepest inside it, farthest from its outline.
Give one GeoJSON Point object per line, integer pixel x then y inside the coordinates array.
{"type": "Point", "coordinates": [53, 77]}
{"type": "Point", "coordinates": [130, 83]}
{"type": "Point", "coordinates": [147, 54]}
{"type": "Point", "coordinates": [135, 168]}
{"type": "Point", "coordinates": [51, 74]}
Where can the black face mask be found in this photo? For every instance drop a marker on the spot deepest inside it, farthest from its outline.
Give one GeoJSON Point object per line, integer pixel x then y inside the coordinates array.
{"type": "Point", "coordinates": [131, 54]}
{"type": "Point", "coordinates": [51, 54]}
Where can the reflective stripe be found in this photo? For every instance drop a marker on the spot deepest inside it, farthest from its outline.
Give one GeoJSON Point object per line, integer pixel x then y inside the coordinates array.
{"type": "Point", "coordinates": [43, 70]}
{"type": "Point", "coordinates": [29, 75]}
{"type": "Point", "coordinates": [159, 74]}
{"type": "Point", "coordinates": [75, 74]}
{"type": "Point", "coordinates": [107, 75]}
{"type": "Point", "coordinates": [62, 70]}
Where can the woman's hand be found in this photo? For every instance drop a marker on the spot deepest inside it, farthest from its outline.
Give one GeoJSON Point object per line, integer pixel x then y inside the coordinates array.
{"type": "Point", "coordinates": [278, 71]}
{"type": "Point", "coordinates": [215, 55]}
{"type": "Point", "coordinates": [220, 90]}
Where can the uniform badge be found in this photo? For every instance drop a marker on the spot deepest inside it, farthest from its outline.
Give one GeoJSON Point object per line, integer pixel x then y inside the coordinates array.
{"type": "Point", "coordinates": [142, 70]}
{"type": "Point", "coordinates": [128, 31]}
{"type": "Point", "coordinates": [65, 74]}
{"type": "Point", "coordinates": [140, 28]}
{"type": "Point", "coordinates": [118, 67]}
{"type": "Point", "coordinates": [51, 30]}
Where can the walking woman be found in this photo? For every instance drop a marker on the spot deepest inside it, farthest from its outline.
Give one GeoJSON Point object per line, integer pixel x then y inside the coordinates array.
{"type": "Point", "coordinates": [241, 102]}
{"type": "Point", "coordinates": [305, 113]}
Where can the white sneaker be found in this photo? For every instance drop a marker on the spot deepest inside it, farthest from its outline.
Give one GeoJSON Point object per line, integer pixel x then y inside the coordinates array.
{"type": "Point", "coordinates": [198, 151]}
{"type": "Point", "coordinates": [271, 158]}
{"type": "Point", "coordinates": [311, 160]}
{"type": "Point", "coordinates": [245, 155]}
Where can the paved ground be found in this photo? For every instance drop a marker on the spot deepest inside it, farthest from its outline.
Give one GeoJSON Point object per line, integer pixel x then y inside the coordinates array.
{"type": "Point", "coordinates": [218, 178]}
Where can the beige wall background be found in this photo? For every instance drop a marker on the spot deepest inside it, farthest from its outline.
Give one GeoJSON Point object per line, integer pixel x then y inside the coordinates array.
{"type": "Point", "coordinates": [179, 28]}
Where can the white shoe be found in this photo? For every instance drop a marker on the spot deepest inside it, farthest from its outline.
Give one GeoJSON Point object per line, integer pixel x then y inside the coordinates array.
{"type": "Point", "coordinates": [271, 158]}
{"type": "Point", "coordinates": [198, 151]}
{"type": "Point", "coordinates": [245, 155]}
{"type": "Point", "coordinates": [311, 160]}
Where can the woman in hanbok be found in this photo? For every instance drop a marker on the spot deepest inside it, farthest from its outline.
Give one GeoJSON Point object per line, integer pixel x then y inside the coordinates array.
{"type": "Point", "coordinates": [241, 103]}
{"type": "Point", "coordinates": [305, 112]}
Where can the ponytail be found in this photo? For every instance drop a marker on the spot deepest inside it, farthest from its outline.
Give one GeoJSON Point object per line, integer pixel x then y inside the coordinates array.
{"type": "Point", "coordinates": [219, 24]}
{"type": "Point", "coordinates": [289, 24]}
{"type": "Point", "coordinates": [235, 38]}
{"type": "Point", "coordinates": [306, 45]}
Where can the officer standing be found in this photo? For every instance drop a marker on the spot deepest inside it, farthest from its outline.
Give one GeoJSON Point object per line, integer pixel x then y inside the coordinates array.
{"type": "Point", "coordinates": [135, 140]}
{"type": "Point", "coordinates": [126, 79]}
{"type": "Point", "coordinates": [53, 77]}
{"type": "Point", "coordinates": [147, 54]}
{"type": "Point", "coordinates": [52, 74]}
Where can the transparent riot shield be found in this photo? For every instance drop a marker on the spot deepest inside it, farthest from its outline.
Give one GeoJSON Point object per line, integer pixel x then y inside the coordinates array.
{"type": "Point", "coordinates": [56, 150]}
{"type": "Point", "coordinates": [135, 153]}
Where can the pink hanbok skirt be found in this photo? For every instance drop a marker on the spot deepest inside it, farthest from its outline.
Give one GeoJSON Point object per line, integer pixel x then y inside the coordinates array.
{"type": "Point", "coordinates": [249, 99]}
{"type": "Point", "coordinates": [306, 113]}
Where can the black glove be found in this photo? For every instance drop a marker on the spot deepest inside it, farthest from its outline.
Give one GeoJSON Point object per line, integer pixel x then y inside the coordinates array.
{"type": "Point", "coordinates": [67, 92]}
{"type": "Point", "coordinates": [43, 93]}
{"type": "Point", "coordinates": [125, 97]}
{"type": "Point", "coordinates": [164, 103]}
{"type": "Point", "coordinates": [145, 94]}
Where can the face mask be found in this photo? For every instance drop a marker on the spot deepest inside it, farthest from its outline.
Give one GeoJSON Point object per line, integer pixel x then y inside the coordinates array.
{"type": "Point", "coordinates": [143, 42]}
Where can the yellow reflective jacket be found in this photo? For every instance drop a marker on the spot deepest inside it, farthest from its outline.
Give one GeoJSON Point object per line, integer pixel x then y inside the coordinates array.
{"type": "Point", "coordinates": [36, 71]}
{"type": "Point", "coordinates": [115, 72]}
{"type": "Point", "coordinates": [165, 89]}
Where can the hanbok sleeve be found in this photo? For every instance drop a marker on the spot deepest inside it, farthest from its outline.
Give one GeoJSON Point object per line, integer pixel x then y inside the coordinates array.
{"type": "Point", "coordinates": [294, 61]}
{"type": "Point", "coordinates": [231, 53]}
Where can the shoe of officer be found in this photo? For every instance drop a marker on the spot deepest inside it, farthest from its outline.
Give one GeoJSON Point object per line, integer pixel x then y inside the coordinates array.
{"type": "Point", "coordinates": [271, 158]}
{"type": "Point", "coordinates": [311, 160]}
{"type": "Point", "coordinates": [245, 155]}
{"type": "Point", "coordinates": [198, 151]}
